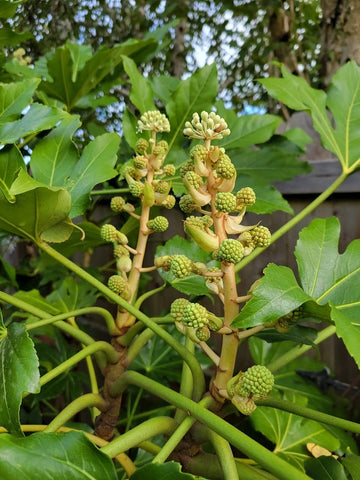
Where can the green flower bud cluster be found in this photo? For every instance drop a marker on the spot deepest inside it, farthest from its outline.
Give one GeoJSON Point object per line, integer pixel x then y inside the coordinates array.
{"type": "Point", "coordinates": [119, 285]}
{"type": "Point", "coordinates": [140, 162]}
{"type": "Point", "coordinates": [199, 153]}
{"type": "Point", "coordinates": [245, 197]}
{"type": "Point", "coordinates": [161, 186]}
{"type": "Point", "coordinates": [257, 382]}
{"type": "Point", "coordinates": [187, 204]}
{"type": "Point", "coordinates": [109, 233]}
{"type": "Point", "coordinates": [154, 121]}
{"type": "Point", "coordinates": [225, 202]}
{"type": "Point", "coordinates": [181, 266]}
{"type": "Point", "coordinates": [187, 167]}
{"type": "Point", "coordinates": [206, 126]}
{"type": "Point", "coordinates": [261, 236]}
{"type": "Point", "coordinates": [230, 251]}
{"type": "Point", "coordinates": [121, 251]}
{"type": "Point", "coordinates": [163, 262]}
{"type": "Point", "coordinates": [224, 167]}
{"type": "Point", "coordinates": [283, 324]}
{"type": "Point", "coordinates": [193, 179]}
{"type": "Point", "coordinates": [158, 224]}
{"type": "Point", "coordinates": [169, 202]}
{"type": "Point", "coordinates": [177, 308]}
{"type": "Point", "coordinates": [117, 204]}
{"type": "Point", "coordinates": [136, 188]}
{"type": "Point", "coordinates": [141, 145]}
{"type": "Point", "coordinates": [169, 170]}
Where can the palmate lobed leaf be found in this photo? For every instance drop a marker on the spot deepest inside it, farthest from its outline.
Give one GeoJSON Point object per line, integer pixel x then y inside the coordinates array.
{"type": "Point", "coordinates": [343, 100]}
{"type": "Point", "coordinates": [64, 456]}
{"type": "Point", "coordinates": [166, 471]}
{"type": "Point", "coordinates": [19, 373]}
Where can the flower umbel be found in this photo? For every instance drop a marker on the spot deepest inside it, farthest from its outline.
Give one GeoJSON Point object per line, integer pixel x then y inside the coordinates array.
{"type": "Point", "coordinates": [207, 126]}
{"type": "Point", "coordinates": [155, 121]}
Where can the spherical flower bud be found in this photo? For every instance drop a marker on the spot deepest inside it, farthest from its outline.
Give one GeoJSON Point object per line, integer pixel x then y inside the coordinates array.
{"type": "Point", "coordinates": [158, 224]}
{"type": "Point", "coordinates": [169, 170]}
{"type": "Point", "coordinates": [136, 188]}
{"type": "Point", "coordinates": [161, 186]}
{"type": "Point", "coordinates": [122, 238]}
{"type": "Point", "coordinates": [224, 168]}
{"type": "Point", "coordinates": [203, 334]}
{"type": "Point", "coordinates": [186, 204]}
{"type": "Point", "coordinates": [230, 251]}
{"type": "Point", "coordinates": [123, 263]}
{"type": "Point", "coordinates": [177, 308]}
{"type": "Point", "coordinates": [121, 251]}
{"type": "Point", "coordinates": [117, 204]}
{"type": "Point", "coordinates": [186, 167]}
{"type": "Point", "coordinates": [261, 236]}
{"type": "Point", "coordinates": [245, 197]}
{"type": "Point", "coordinates": [199, 153]}
{"type": "Point", "coordinates": [257, 383]}
{"type": "Point", "coordinates": [155, 121]}
{"type": "Point", "coordinates": [282, 325]}
{"type": "Point", "coordinates": [193, 179]}
{"type": "Point", "coordinates": [225, 202]}
{"type": "Point", "coordinates": [140, 162]}
{"type": "Point", "coordinates": [141, 145]}
{"type": "Point", "coordinates": [180, 266]}
{"type": "Point", "coordinates": [108, 233]}
{"type": "Point", "coordinates": [195, 315]}
{"type": "Point", "coordinates": [163, 144]}
{"type": "Point", "coordinates": [169, 202]}
{"type": "Point", "coordinates": [117, 284]}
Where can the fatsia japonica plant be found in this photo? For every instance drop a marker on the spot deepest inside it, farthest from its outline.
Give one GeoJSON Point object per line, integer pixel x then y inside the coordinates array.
{"type": "Point", "coordinates": [147, 407]}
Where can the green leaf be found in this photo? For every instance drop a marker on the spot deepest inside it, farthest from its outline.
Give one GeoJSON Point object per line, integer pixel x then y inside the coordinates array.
{"type": "Point", "coordinates": [8, 7]}
{"type": "Point", "coordinates": [14, 97]}
{"type": "Point", "coordinates": [36, 119]}
{"type": "Point", "coordinates": [195, 94]}
{"type": "Point", "coordinates": [63, 67]}
{"type": "Point", "coordinates": [141, 94]}
{"type": "Point", "coordinates": [11, 161]}
{"type": "Point", "coordinates": [249, 130]}
{"type": "Point", "coordinates": [64, 456]}
{"type": "Point", "coordinates": [163, 87]}
{"type": "Point", "coordinates": [34, 298]}
{"type": "Point", "coordinates": [165, 471]}
{"type": "Point", "coordinates": [19, 373]}
{"type": "Point", "coordinates": [290, 433]}
{"type": "Point", "coordinates": [342, 100]}
{"type": "Point", "coordinates": [79, 54]}
{"type": "Point", "coordinates": [71, 295]}
{"type": "Point", "coordinates": [325, 468]}
{"type": "Point", "coordinates": [352, 464]}
{"type": "Point", "coordinates": [95, 166]}
{"type": "Point", "coordinates": [193, 284]}
{"type": "Point", "coordinates": [277, 294]}
{"type": "Point", "coordinates": [55, 156]}
{"type": "Point", "coordinates": [297, 333]}
{"type": "Point", "coordinates": [76, 242]}
{"type": "Point", "coordinates": [10, 38]}
{"type": "Point", "coordinates": [332, 278]}
{"type": "Point", "coordinates": [39, 213]}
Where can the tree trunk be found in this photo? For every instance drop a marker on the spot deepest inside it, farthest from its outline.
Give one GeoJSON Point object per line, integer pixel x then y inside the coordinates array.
{"type": "Point", "coordinates": [178, 56]}
{"type": "Point", "coordinates": [340, 36]}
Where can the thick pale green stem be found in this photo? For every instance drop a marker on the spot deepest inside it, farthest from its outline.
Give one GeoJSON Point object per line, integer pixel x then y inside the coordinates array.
{"type": "Point", "coordinates": [137, 345]}
{"type": "Point", "coordinates": [186, 384]}
{"type": "Point", "coordinates": [198, 375]}
{"type": "Point", "coordinates": [298, 351]}
{"type": "Point", "coordinates": [225, 455]}
{"type": "Point", "coordinates": [126, 339]}
{"type": "Point", "coordinates": [180, 433]}
{"type": "Point", "coordinates": [149, 429]}
{"type": "Point", "coordinates": [310, 413]}
{"type": "Point", "coordinates": [109, 191]}
{"type": "Point", "coordinates": [85, 401]}
{"type": "Point", "coordinates": [75, 359]}
{"type": "Point", "coordinates": [75, 313]}
{"type": "Point", "coordinates": [295, 220]}
{"type": "Point", "coordinates": [245, 444]}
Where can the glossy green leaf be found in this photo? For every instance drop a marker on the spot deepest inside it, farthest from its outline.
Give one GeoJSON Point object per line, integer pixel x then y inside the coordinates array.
{"type": "Point", "coordinates": [19, 373]}
{"type": "Point", "coordinates": [141, 94]}
{"type": "Point", "coordinates": [194, 94]}
{"type": "Point", "coordinates": [290, 433]}
{"type": "Point", "coordinates": [64, 456]}
{"type": "Point", "coordinates": [352, 465]}
{"type": "Point", "coordinates": [163, 87]}
{"type": "Point", "coordinates": [165, 471]}
{"type": "Point", "coordinates": [342, 100]}
{"type": "Point", "coordinates": [325, 468]}
{"type": "Point", "coordinates": [11, 161]}
{"type": "Point", "coordinates": [332, 278]}
{"type": "Point", "coordinates": [14, 97]}
{"type": "Point", "coordinates": [71, 295]}
{"type": "Point", "coordinates": [76, 242]}
{"type": "Point", "coordinates": [55, 156]}
{"type": "Point", "coordinates": [8, 7]}
{"type": "Point", "coordinates": [79, 54]}
{"type": "Point", "coordinates": [7, 274]}
{"type": "Point", "coordinates": [193, 284]}
{"type": "Point", "coordinates": [37, 118]}
{"type": "Point", "coordinates": [249, 130]}
{"type": "Point", "coordinates": [95, 165]}
{"type": "Point", "coordinates": [34, 298]}
{"type": "Point", "coordinates": [297, 333]}
{"type": "Point", "coordinates": [277, 294]}
{"type": "Point", "coordinates": [63, 67]}
{"type": "Point", "coordinates": [39, 213]}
